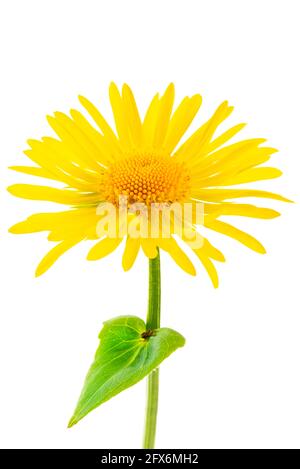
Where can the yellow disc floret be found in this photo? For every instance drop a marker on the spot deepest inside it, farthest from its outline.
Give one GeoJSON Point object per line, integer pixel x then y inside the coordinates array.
{"type": "Point", "coordinates": [147, 178]}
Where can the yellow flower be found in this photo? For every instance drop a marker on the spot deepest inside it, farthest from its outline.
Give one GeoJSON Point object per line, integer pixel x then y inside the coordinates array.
{"type": "Point", "coordinates": [143, 162]}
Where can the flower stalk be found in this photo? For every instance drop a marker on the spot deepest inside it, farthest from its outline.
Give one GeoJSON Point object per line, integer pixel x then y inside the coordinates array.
{"type": "Point", "coordinates": [153, 322]}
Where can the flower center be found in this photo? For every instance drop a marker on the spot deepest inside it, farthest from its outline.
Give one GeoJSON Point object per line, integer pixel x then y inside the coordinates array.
{"type": "Point", "coordinates": [147, 178]}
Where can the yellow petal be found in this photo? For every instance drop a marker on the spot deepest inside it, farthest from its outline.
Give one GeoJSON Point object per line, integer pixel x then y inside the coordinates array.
{"type": "Point", "coordinates": [204, 246]}
{"type": "Point", "coordinates": [39, 172]}
{"type": "Point", "coordinates": [34, 223]}
{"type": "Point", "coordinates": [217, 195]}
{"type": "Point", "coordinates": [179, 256]}
{"type": "Point", "coordinates": [39, 154]}
{"type": "Point", "coordinates": [149, 124]}
{"type": "Point", "coordinates": [119, 115]}
{"type": "Point", "coordinates": [49, 169]}
{"type": "Point", "coordinates": [204, 253]}
{"type": "Point", "coordinates": [202, 136]}
{"type": "Point", "coordinates": [181, 120]}
{"type": "Point", "coordinates": [68, 131]}
{"type": "Point", "coordinates": [225, 137]}
{"type": "Point", "coordinates": [61, 196]}
{"type": "Point", "coordinates": [53, 255]}
{"type": "Point", "coordinates": [133, 117]}
{"type": "Point", "coordinates": [61, 155]}
{"type": "Point", "coordinates": [85, 226]}
{"type": "Point", "coordinates": [235, 233]}
{"type": "Point", "coordinates": [254, 174]}
{"type": "Point", "coordinates": [230, 159]}
{"type": "Point", "coordinates": [130, 253]}
{"type": "Point", "coordinates": [164, 114]}
{"type": "Point", "coordinates": [209, 266]}
{"type": "Point", "coordinates": [65, 223]}
{"type": "Point", "coordinates": [89, 138]}
{"type": "Point", "coordinates": [149, 248]}
{"type": "Point", "coordinates": [101, 122]}
{"type": "Point", "coordinates": [24, 227]}
{"type": "Point", "coordinates": [244, 210]}
{"type": "Point", "coordinates": [211, 251]}
{"type": "Point", "coordinates": [103, 248]}
{"type": "Point", "coordinates": [103, 151]}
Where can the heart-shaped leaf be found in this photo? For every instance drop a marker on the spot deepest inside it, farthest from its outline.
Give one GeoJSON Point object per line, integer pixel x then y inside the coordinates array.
{"type": "Point", "coordinates": [126, 354]}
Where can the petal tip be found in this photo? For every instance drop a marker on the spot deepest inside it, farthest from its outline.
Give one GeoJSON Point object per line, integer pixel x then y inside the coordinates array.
{"type": "Point", "coordinates": [13, 189]}
{"type": "Point", "coordinates": [126, 265]}
{"type": "Point", "coordinates": [190, 269]}
{"type": "Point", "coordinates": [170, 88]}
{"type": "Point", "coordinates": [50, 119]}
{"type": "Point", "coordinates": [13, 229]}
{"type": "Point", "coordinates": [82, 99]}
{"type": "Point", "coordinates": [112, 86]}
{"type": "Point", "coordinates": [90, 257]}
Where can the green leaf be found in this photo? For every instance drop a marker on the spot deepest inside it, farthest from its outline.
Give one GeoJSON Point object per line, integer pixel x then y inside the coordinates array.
{"type": "Point", "coordinates": [126, 354]}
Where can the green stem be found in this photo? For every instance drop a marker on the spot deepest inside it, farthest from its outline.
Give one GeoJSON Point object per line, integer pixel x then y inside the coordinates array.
{"type": "Point", "coordinates": [153, 322]}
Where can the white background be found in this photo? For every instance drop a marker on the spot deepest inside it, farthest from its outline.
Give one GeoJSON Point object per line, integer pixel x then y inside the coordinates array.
{"type": "Point", "coordinates": [236, 384]}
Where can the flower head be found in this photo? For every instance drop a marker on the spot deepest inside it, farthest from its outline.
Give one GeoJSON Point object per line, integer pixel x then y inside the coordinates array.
{"type": "Point", "coordinates": [136, 183]}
